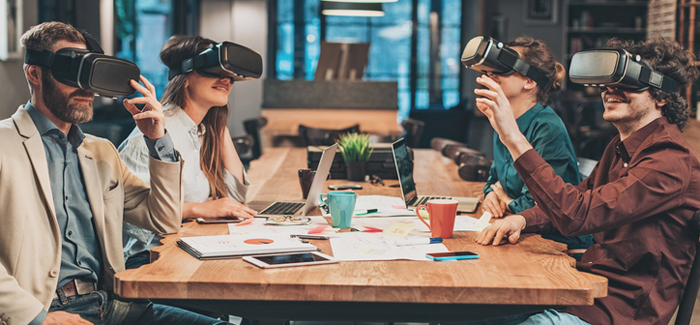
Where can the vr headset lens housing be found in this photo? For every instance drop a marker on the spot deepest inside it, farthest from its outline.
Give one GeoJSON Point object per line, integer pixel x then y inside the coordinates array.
{"type": "Point", "coordinates": [486, 54]}
{"type": "Point", "coordinates": [481, 54]}
{"type": "Point", "coordinates": [224, 59]}
{"type": "Point", "coordinates": [617, 68]}
{"type": "Point", "coordinates": [102, 74]}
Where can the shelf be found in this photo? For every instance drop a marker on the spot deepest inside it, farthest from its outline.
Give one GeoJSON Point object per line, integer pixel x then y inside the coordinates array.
{"type": "Point", "coordinates": [607, 30]}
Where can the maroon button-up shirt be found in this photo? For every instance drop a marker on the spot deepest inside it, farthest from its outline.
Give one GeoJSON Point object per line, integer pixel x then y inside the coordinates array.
{"type": "Point", "coordinates": [638, 203]}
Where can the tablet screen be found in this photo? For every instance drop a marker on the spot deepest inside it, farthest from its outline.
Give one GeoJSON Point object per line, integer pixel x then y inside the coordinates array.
{"type": "Point", "coordinates": [291, 258]}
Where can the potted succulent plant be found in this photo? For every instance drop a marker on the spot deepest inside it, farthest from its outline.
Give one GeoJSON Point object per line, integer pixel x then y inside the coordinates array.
{"type": "Point", "coordinates": [356, 150]}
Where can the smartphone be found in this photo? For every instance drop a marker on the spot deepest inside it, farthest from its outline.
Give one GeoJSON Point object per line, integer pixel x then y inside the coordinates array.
{"type": "Point", "coordinates": [345, 187]}
{"type": "Point", "coordinates": [443, 256]}
{"type": "Point", "coordinates": [219, 220]}
{"type": "Point", "coordinates": [286, 260]}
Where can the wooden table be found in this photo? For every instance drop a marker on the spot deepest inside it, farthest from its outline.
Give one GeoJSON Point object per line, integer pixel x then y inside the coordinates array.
{"type": "Point", "coordinates": [283, 123]}
{"type": "Point", "coordinates": [531, 275]}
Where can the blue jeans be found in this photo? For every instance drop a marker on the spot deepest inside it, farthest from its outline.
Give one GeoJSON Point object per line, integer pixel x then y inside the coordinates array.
{"type": "Point", "coordinates": [138, 260]}
{"type": "Point", "coordinates": [100, 308]}
{"type": "Point", "coordinates": [546, 317]}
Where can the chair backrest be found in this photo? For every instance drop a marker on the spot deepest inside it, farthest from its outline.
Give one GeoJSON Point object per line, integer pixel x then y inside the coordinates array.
{"type": "Point", "coordinates": [446, 146]}
{"type": "Point", "coordinates": [244, 145]}
{"type": "Point", "coordinates": [690, 293]}
{"type": "Point", "coordinates": [323, 137]}
{"type": "Point", "coordinates": [252, 127]}
{"type": "Point", "coordinates": [414, 130]}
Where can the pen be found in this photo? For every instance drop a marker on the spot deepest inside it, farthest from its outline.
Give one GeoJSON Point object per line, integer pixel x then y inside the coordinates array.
{"type": "Point", "coordinates": [421, 241]}
{"type": "Point", "coordinates": [319, 237]}
{"type": "Point", "coordinates": [369, 211]}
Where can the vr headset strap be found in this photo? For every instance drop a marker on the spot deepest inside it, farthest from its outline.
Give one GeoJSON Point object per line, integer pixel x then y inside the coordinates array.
{"type": "Point", "coordinates": [48, 60]}
{"type": "Point", "coordinates": [188, 65]}
{"type": "Point", "coordinates": [515, 63]}
{"type": "Point", "coordinates": [658, 80]}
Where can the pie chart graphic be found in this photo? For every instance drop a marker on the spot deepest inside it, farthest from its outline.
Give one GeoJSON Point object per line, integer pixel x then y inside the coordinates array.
{"type": "Point", "coordinates": [259, 241]}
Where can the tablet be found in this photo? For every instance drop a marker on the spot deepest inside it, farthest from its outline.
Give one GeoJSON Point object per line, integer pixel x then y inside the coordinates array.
{"type": "Point", "coordinates": [289, 259]}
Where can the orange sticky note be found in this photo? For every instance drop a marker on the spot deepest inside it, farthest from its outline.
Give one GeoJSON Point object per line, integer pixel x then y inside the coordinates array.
{"type": "Point", "coordinates": [318, 229]}
{"type": "Point", "coordinates": [399, 229]}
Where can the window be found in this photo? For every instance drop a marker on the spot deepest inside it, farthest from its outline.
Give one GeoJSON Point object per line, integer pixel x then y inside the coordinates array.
{"type": "Point", "coordinates": [300, 29]}
{"type": "Point", "coordinates": [144, 26]}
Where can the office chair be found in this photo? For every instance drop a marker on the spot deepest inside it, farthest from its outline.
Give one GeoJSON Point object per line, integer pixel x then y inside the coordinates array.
{"type": "Point", "coordinates": [473, 166]}
{"type": "Point", "coordinates": [690, 294]}
{"type": "Point", "coordinates": [414, 130]}
{"type": "Point", "coordinates": [323, 137]}
{"type": "Point", "coordinates": [252, 127]}
{"type": "Point", "coordinates": [244, 145]}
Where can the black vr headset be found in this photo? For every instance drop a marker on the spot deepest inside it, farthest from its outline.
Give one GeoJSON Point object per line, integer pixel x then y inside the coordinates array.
{"type": "Point", "coordinates": [617, 68]}
{"type": "Point", "coordinates": [223, 59]}
{"type": "Point", "coordinates": [486, 54]}
{"type": "Point", "coordinates": [88, 69]}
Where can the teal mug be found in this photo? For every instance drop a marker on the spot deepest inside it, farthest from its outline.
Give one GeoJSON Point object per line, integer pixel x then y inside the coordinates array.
{"type": "Point", "coordinates": [341, 205]}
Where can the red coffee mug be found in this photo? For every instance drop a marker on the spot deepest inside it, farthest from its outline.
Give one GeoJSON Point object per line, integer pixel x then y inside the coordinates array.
{"type": "Point", "coordinates": [442, 217]}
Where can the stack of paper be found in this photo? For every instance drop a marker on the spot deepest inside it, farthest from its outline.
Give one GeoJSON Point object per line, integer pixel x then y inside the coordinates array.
{"type": "Point", "coordinates": [226, 246]}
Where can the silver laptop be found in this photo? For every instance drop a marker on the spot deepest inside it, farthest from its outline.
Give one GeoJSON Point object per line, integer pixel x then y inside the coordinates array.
{"type": "Point", "coordinates": [275, 209]}
{"type": "Point", "coordinates": [408, 185]}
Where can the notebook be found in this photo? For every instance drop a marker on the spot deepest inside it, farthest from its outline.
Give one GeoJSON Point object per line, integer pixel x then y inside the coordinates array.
{"type": "Point", "coordinates": [273, 209]}
{"type": "Point", "coordinates": [404, 170]}
{"type": "Point", "coordinates": [228, 246]}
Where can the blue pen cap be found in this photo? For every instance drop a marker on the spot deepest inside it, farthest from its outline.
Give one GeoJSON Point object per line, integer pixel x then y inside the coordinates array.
{"type": "Point", "coordinates": [436, 240]}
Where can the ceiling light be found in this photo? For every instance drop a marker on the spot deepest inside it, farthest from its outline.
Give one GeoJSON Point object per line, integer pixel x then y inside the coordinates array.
{"type": "Point", "coordinates": [352, 9]}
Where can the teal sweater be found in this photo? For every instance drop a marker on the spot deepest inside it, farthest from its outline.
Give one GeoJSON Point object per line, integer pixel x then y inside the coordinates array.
{"type": "Point", "coordinates": [546, 132]}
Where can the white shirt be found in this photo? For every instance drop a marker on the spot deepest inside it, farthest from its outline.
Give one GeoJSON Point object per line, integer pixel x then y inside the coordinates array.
{"type": "Point", "coordinates": [187, 139]}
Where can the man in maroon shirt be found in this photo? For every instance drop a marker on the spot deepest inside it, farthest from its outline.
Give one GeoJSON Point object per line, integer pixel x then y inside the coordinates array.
{"type": "Point", "coordinates": [638, 202]}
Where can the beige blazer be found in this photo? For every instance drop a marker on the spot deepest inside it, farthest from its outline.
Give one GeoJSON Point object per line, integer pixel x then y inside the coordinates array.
{"type": "Point", "coordinates": [30, 244]}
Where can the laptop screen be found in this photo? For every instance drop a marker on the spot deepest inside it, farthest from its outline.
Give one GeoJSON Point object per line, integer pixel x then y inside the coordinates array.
{"type": "Point", "coordinates": [404, 169]}
{"type": "Point", "coordinates": [324, 167]}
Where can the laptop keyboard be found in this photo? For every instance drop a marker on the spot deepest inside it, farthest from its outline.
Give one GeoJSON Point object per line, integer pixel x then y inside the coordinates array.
{"type": "Point", "coordinates": [424, 199]}
{"type": "Point", "coordinates": [283, 208]}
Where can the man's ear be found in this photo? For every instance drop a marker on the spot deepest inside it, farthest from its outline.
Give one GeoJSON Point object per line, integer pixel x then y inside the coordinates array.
{"type": "Point", "coordinates": [33, 73]}
{"type": "Point", "coordinates": [660, 103]}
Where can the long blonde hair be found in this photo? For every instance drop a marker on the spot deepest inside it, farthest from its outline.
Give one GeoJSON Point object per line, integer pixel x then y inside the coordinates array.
{"type": "Point", "coordinates": [175, 50]}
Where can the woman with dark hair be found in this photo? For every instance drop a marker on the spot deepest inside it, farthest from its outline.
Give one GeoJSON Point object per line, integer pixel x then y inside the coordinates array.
{"type": "Point", "coordinates": [196, 114]}
{"type": "Point", "coordinates": [505, 191]}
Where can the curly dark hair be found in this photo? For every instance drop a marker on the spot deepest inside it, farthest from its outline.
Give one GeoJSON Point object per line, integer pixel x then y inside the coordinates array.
{"type": "Point", "coordinates": [671, 59]}
{"type": "Point", "coordinates": [537, 54]}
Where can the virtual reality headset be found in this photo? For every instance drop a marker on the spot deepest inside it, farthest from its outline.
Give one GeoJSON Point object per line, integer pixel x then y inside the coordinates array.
{"type": "Point", "coordinates": [88, 69]}
{"type": "Point", "coordinates": [617, 68]}
{"type": "Point", "coordinates": [486, 54]}
{"type": "Point", "coordinates": [223, 59]}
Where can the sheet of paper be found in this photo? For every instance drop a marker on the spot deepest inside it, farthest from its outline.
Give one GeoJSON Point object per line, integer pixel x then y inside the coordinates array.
{"type": "Point", "coordinates": [362, 246]}
{"type": "Point", "coordinates": [258, 227]}
{"type": "Point", "coordinates": [462, 223]}
{"type": "Point", "coordinates": [386, 206]}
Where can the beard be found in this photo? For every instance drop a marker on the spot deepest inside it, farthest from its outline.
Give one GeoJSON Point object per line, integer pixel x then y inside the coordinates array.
{"type": "Point", "coordinates": [59, 105]}
{"type": "Point", "coordinates": [636, 110]}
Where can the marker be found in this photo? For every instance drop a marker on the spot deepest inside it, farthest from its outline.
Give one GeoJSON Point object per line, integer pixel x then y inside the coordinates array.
{"type": "Point", "coordinates": [422, 241]}
{"type": "Point", "coordinates": [369, 211]}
